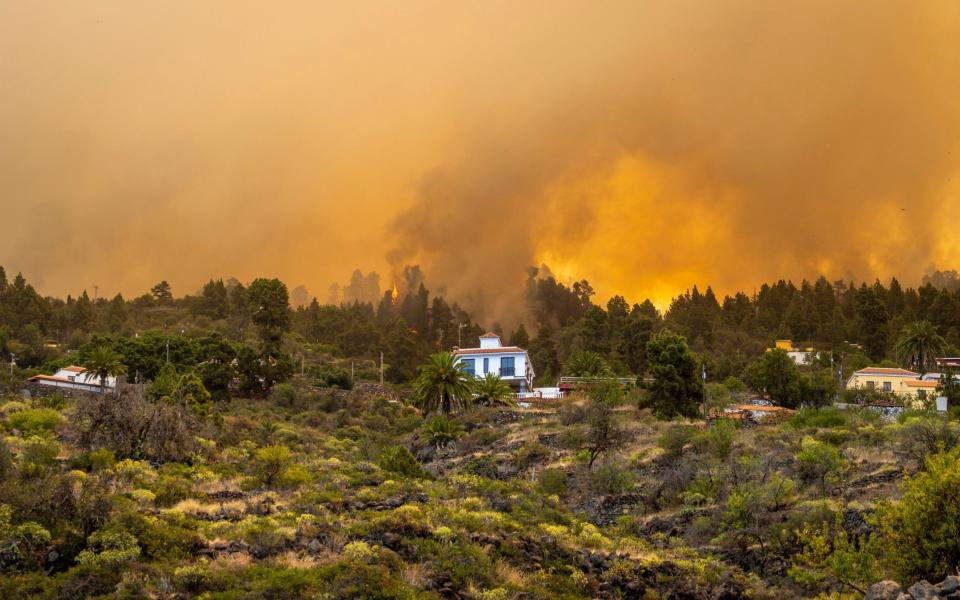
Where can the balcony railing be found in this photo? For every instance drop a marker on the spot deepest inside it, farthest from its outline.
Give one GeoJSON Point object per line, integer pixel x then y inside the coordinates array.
{"type": "Point", "coordinates": [596, 380]}
{"type": "Point", "coordinates": [540, 395]}
{"type": "Point", "coordinates": [508, 371]}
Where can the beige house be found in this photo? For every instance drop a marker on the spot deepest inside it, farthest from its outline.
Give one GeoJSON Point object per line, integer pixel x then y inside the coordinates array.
{"type": "Point", "coordinates": [922, 390]}
{"type": "Point", "coordinates": [907, 385]}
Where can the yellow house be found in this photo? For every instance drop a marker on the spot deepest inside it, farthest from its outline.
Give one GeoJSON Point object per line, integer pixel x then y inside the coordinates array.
{"type": "Point", "coordinates": [921, 391]}
{"type": "Point", "coordinates": [905, 384]}
{"type": "Point", "coordinates": [884, 379]}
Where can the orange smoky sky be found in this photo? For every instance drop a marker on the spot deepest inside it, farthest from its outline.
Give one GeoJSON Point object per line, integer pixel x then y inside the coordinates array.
{"type": "Point", "coordinates": [645, 146]}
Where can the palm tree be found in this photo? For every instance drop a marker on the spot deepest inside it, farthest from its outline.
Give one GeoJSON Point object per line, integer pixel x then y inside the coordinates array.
{"type": "Point", "coordinates": [918, 344]}
{"type": "Point", "coordinates": [443, 383]}
{"type": "Point", "coordinates": [493, 390]}
{"type": "Point", "coordinates": [589, 364]}
{"type": "Point", "coordinates": [102, 362]}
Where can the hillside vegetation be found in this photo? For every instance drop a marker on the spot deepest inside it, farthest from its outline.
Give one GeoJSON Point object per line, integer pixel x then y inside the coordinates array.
{"type": "Point", "coordinates": [331, 494]}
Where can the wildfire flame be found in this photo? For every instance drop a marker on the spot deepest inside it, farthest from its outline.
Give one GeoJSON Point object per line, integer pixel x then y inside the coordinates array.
{"type": "Point", "coordinates": [394, 293]}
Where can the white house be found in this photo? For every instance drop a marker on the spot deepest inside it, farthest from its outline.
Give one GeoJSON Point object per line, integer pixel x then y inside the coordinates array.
{"type": "Point", "coordinates": [511, 363]}
{"type": "Point", "coordinates": [74, 378]}
{"type": "Point", "coordinates": [799, 356]}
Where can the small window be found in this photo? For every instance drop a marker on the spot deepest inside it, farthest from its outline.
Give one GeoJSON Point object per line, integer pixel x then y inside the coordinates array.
{"type": "Point", "coordinates": [486, 365]}
{"type": "Point", "coordinates": [887, 386]}
{"type": "Point", "coordinates": [922, 394]}
{"type": "Point", "coordinates": [507, 367]}
{"type": "Point", "coordinates": [468, 365]}
{"type": "Point", "coordinates": [871, 385]}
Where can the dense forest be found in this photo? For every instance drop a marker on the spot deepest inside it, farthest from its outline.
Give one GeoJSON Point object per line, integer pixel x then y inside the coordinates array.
{"type": "Point", "coordinates": [858, 323]}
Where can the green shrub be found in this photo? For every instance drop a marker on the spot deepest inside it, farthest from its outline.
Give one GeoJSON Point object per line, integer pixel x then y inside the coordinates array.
{"type": "Point", "coordinates": [56, 401]}
{"type": "Point", "coordinates": [101, 459]}
{"type": "Point", "coordinates": [21, 546]}
{"type": "Point", "coordinates": [530, 454]}
{"type": "Point", "coordinates": [110, 547]}
{"type": "Point", "coordinates": [482, 466]}
{"type": "Point", "coordinates": [919, 533]}
{"type": "Point", "coordinates": [836, 437]}
{"type": "Point", "coordinates": [264, 536]}
{"type": "Point", "coordinates": [701, 490]}
{"type": "Point", "coordinates": [610, 478]}
{"type": "Point", "coordinates": [330, 376]}
{"type": "Point", "coordinates": [817, 417]}
{"type": "Point", "coordinates": [39, 456]}
{"type": "Point", "coordinates": [34, 421]}
{"type": "Point", "coordinates": [673, 440]}
{"type": "Point", "coordinates": [818, 461]}
{"type": "Point", "coordinates": [270, 463]}
{"type": "Point", "coordinates": [283, 394]}
{"type": "Point", "coordinates": [12, 406]}
{"type": "Point", "coordinates": [293, 477]}
{"type": "Point", "coordinates": [718, 438]}
{"type": "Point", "coordinates": [397, 459]}
{"type": "Point", "coordinates": [192, 579]}
{"type": "Point", "coordinates": [734, 384]}
{"type": "Point", "coordinates": [834, 556]}
{"type": "Point", "coordinates": [552, 481]}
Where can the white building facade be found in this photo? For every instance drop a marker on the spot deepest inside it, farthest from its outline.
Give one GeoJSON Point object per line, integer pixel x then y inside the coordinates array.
{"type": "Point", "coordinates": [75, 378]}
{"type": "Point", "coordinates": [511, 363]}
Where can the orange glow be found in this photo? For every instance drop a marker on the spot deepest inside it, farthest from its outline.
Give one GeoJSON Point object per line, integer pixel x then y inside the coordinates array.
{"type": "Point", "coordinates": [644, 146]}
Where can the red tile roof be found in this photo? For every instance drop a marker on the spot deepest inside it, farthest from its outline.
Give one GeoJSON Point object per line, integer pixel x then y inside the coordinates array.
{"type": "Point", "coordinates": [886, 371]}
{"type": "Point", "coordinates": [500, 349]}
{"type": "Point", "coordinates": [73, 368]}
{"type": "Point", "coordinates": [62, 380]}
{"type": "Point", "coordinates": [489, 335]}
{"type": "Point", "coordinates": [923, 384]}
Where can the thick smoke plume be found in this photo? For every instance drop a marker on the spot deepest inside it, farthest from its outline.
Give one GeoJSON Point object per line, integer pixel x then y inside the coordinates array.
{"type": "Point", "coordinates": [736, 141]}
{"type": "Point", "coordinates": [645, 146]}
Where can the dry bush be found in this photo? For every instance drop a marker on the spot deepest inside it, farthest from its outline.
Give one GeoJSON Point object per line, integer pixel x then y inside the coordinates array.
{"type": "Point", "coordinates": [416, 575]}
{"type": "Point", "coordinates": [133, 427]}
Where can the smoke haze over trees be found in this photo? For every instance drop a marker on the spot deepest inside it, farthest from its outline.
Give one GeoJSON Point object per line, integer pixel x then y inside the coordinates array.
{"type": "Point", "coordinates": [666, 143]}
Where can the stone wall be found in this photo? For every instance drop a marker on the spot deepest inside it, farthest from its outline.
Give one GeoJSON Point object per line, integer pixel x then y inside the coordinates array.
{"type": "Point", "coordinates": [32, 389]}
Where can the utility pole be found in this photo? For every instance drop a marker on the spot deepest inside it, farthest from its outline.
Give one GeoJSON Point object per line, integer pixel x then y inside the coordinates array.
{"type": "Point", "coordinates": [352, 378]}
{"type": "Point", "coordinates": [96, 292]}
{"type": "Point", "coordinates": [13, 361]}
{"type": "Point", "coordinates": [837, 395]}
{"type": "Point", "coordinates": [460, 327]}
{"type": "Point", "coordinates": [703, 376]}
{"type": "Point", "coordinates": [381, 368]}
{"type": "Point", "coordinates": [840, 377]}
{"type": "Point", "coordinates": [168, 350]}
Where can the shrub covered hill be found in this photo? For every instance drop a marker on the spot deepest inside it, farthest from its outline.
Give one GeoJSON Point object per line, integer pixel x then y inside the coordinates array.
{"type": "Point", "coordinates": [248, 454]}
{"type": "Point", "coordinates": [332, 494]}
